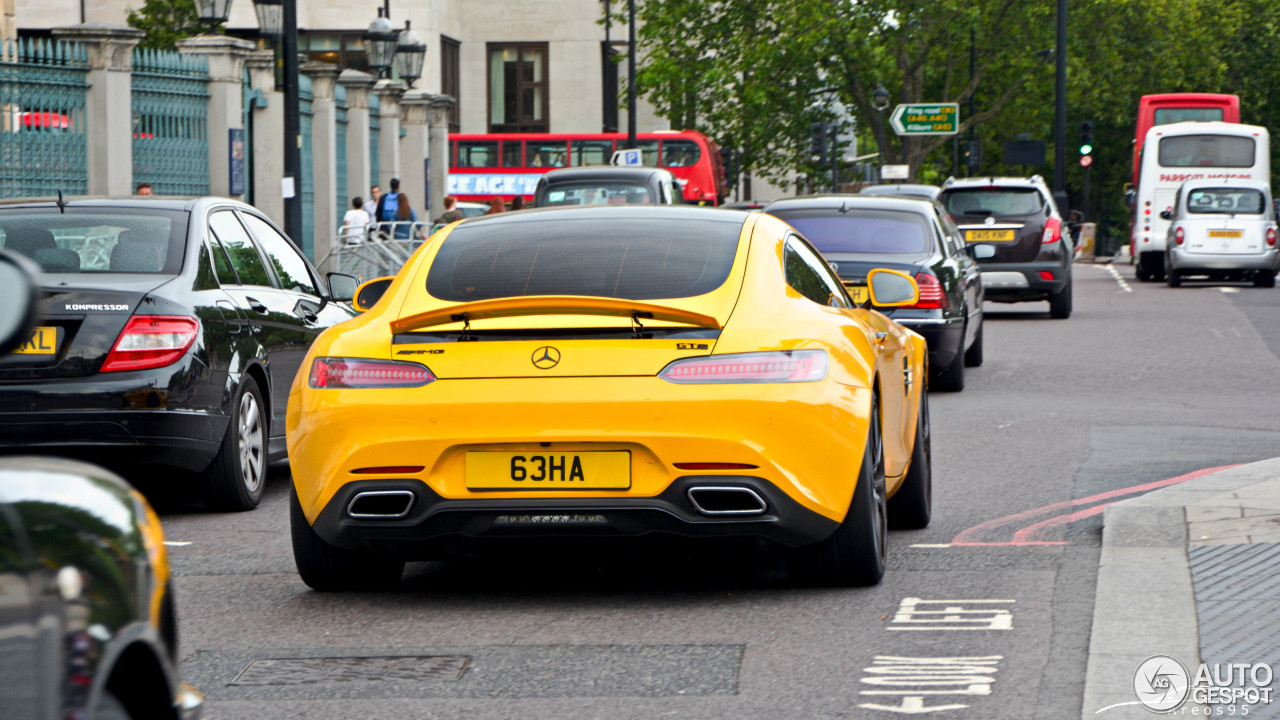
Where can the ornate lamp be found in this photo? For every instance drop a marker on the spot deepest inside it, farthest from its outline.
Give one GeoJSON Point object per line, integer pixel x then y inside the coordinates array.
{"type": "Point", "coordinates": [411, 55]}
{"type": "Point", "coordinates": [380, 43]}
{"type": "Point", "coordinates": [270, 16]}
{"type": "Point", "coordinates": [213, 12]}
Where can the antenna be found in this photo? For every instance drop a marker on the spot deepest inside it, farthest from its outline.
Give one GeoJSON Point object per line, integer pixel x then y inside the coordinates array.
{"type": "Point", "coordinates": [62, 203]}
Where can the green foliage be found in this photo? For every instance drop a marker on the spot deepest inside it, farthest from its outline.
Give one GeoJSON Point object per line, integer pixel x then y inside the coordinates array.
{"type": "Point", "coordinates": [165, 22]}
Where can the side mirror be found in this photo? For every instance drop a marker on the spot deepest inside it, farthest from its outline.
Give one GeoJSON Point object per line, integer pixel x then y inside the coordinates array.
{"type": "Point", "coordinates": [1166, 214]}
{"type": "Point", "coordinates": [890, 288]}
{"type": "Point", "coordinates": [981, 252]}
{"type": "Point", "coordinates": [368, 294]}
{"type": "Point", "coordinates": [342, 287]}
{"type": "Point", "coordinates": [1130, 196]}
{"type": "Point", "coordinates": [18, 295]}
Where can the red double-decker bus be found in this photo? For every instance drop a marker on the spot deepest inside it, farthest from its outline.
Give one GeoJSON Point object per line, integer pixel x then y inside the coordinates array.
{"type": "Point", "coordinates": [482, 167]}
{"type": "Point", "coordinates": [1170, 108]}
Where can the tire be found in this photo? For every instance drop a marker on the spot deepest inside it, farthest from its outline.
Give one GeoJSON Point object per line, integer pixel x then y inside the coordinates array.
{"type": "Point", "coordinates": [109, 707]}
{"type": "Point", "coordinates": [973, 356]}
{"type": "Point", "coordinates": [1140, 273]}
{"type": "Point", "coordinates": [949, 378]}
{"type": "Point", "coordinates": [1060, 304]}
{"type": "Point", "coordinates": [912, 506]}
{"type": "Point", "coordinates": [1173, 278]}
{"type": "Point", "coordinates": [236, 477]}
{"type": "Point", "coordinates": [1264, 279]}
{"type": "Point", "coordinates": [326, 567]}
{"type": "Point", "coordinates": [855, 553]}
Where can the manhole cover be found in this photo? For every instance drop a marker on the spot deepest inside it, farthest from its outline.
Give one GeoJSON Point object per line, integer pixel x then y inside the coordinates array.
{"type": "Point", "coordinates": [304, 671]}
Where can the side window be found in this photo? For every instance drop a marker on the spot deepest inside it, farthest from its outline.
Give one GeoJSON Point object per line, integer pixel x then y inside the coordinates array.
{"type": "Point", "coordinates": [288, 263]}
{"type": "Point", "coordinates": [240, 248]}
{"type": "Point", "coordinates": [953, 232]}
{"type": "Point", "coordinates": [808, 274]}
{"type": "Point", "coordinates": [221, 265]}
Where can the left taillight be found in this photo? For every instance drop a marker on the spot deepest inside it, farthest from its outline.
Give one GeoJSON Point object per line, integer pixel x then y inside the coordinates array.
{"type": "Point", "coordinates": [761, 367]}
{"type": "Point", "coordinates": [151, 341]}
{"type": "Point", "coordinates": [339, 373]}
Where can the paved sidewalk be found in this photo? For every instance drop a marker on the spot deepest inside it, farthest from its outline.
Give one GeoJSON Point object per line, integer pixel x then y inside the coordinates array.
{"type": "Point", "coordinates": [1192, 572]}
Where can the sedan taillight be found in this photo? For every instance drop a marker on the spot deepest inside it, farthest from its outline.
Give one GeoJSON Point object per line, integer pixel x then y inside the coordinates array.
{"type": "Point", "coordinates": [342, 373]}
{"type": "Point", "coordinates": [932, 295]}
{"type": "Point", "coordinates": [151, 341]}
{"type": "Point", "coordinates": [760, 367]}
{"type": "Point", "coordinates": [1271, 236]}
{"type": "Point", "coordinates": [1179, 235]}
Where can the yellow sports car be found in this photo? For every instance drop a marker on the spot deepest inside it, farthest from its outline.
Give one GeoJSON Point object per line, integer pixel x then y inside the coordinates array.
{"type": "Point", "coordinates": [618, 370]}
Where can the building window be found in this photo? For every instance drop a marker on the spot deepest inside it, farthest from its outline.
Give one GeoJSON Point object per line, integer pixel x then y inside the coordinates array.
{"type": "Point", "coordinates": [450, 79]}
{"type": "Point", "coordinates": [518, 89]}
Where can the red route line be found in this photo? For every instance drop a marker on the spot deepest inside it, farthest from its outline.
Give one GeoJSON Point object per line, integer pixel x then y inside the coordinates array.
{"type": "Point", "coordinates": [1032, 534]}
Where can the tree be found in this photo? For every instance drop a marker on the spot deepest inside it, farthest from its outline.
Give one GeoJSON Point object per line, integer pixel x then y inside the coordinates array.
{"type": "Point", "coordinates": [165, 22]}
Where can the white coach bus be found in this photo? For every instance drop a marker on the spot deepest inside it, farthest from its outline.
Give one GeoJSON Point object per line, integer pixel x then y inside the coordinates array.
{"type": "Point", "coordinates": [1173, 154]}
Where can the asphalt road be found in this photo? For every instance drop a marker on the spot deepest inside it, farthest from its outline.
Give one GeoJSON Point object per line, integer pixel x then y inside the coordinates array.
{"type": "Point", "coordinates": [1136, 387]}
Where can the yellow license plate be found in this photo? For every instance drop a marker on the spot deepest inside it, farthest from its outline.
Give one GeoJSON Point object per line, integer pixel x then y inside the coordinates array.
{"type": "Point", "coordinates": [858, 293]}
{"type": "Point", "coordinates": [43, 341]}
{"type": "Point", "coordinates": [1226, 233]}
{"type": "Point", "coordinates": [531, 470]}
{"type": "Point", "coordinates": [988, 235]}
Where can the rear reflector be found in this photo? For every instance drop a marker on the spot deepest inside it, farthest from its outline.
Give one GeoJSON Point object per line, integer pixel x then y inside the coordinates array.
{"type": "Point", "coordinates": [761, 367]}
{"type": "Point", "coordinates": [1046, 275]}
{"type": "Point", "coordinates": [932, 295]}
{"type": "Point", "coordinates": [390, 470]}
{"type": "Point", "coordinates": [716, 466]}
{"type": "Point", "coordinates": [151, 341]}
{"type": "Point", "coordinates": [335, 372]}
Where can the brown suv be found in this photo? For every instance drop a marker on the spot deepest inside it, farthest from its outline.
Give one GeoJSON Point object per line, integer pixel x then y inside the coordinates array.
{"type": "Point", "coordinates": [1017, 218]}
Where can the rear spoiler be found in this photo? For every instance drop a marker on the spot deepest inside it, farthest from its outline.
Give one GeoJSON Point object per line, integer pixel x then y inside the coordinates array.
{"type": "Point", "coordinates": [529, 305]}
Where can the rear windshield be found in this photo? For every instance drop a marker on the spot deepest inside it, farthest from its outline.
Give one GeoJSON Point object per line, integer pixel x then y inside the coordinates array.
{"type": "Point", "coordinates": [863, 231]}
{"type": "Point", "coordinates": [600, 193]}
{"type": "Point", "coordinates": [97, 240]}
{"type": "Point", "coordinates": [631, 259]}
{"type": "Point", "coordinates": [993, 201]}
{"type": "Point", "coordinates": [1207, 151]}
{"type": "Point", "coordinates": [1166, 116]}
{"type": "Point", "coordinates": [1226, 201]}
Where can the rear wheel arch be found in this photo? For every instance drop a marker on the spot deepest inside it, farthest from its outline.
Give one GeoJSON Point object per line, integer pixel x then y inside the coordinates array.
{"type": "Point", "coordinates": [259, 374]}
{"type": "Point", "coordinates": [140, 682]}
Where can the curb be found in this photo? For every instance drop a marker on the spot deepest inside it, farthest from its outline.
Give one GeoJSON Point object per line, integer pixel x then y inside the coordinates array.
{"type": "Point", "coordinates": [1145, 602]}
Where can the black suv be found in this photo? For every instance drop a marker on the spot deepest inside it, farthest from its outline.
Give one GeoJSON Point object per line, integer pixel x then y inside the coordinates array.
{"type": "Point", "coordinates": [1017, 218]}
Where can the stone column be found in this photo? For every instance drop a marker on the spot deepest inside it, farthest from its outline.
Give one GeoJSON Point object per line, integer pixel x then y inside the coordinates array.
{"type": "Point", "coordinates": [226, 57]}
{"type": "Point", "coordinates": [324, 154]}
{"type": "Point", "coordinates": [415, 107]}
{"type": "Point", "coordinates": [108, 106]}
{"type": "Point", "coordinates": [438, 148]}
{"type": "Point", "coordinates": [389, 93]}
{"type": "Point", "coordinates": [268, 129]}
{"type": "Point", "coordinates": [358, 85]}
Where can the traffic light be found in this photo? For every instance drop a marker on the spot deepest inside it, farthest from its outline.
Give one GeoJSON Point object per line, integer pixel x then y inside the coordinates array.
{"type": "Point", "coordinates": [818, 141]}
{"type": "Point", "coordinates": [1086, 137]}
{"type": "Point", "coordinates": [973, 155]}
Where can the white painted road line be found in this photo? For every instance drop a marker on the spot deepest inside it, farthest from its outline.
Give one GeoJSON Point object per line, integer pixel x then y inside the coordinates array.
{"type": "Point", "coordinates": [176, 543]}
{"type": "Point", "coordinates": [918, 614]}
{"type": "Point", "coordinates": [1124, 284]}
{"type": "Point", "coordinates": [932, 545]}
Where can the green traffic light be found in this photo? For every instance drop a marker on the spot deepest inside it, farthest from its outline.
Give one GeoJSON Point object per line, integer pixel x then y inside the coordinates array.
{"type": "Point", "coordinates": [1086, 149]}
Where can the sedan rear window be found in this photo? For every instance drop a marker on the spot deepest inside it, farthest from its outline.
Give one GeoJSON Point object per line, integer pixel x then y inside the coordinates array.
{"type": "Point", "coordinates": [600, 194]}
{"type": "Point", "coordinates": [633, 259]}
{"type": "Point", "coordinates": [97, 240]}
{"type": "Point", "coordinates": [993, 201]}
{"type": "Point", "coordinates": [1226, 201]}
{"type": "Point", "coordinates": [863, 231]}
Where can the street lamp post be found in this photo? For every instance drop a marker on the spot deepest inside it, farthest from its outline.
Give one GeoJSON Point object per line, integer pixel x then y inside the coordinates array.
{"type": "Point", "coordinates": [380, 43]}
{"type": "Point", "coordinates": [292, 124]}
{"type": "Point", "coordinates": [631, 73]}
{"type": "Point", "coordinates": [213, 12]}
{"type": "Point", "coordinates": [270, 17]}
{"type": "Point", "coordinates": [880, 101]}
{"type": "Point", "coordinates": [411, 55]}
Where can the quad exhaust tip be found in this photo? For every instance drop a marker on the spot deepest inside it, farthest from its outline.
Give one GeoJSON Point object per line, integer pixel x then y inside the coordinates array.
{"type": "Point", "coordinates": [726, 500]}
{"type": "Point", "coordinates": [380, 505]}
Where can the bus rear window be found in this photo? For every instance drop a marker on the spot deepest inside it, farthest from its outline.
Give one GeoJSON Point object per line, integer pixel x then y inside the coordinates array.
{"type": "Point", "coordinates": [1207, 151]}
{"type": "Point", "coordinates": [1168, 116]}
{"type": "Point", "coordinates": [635, 260]}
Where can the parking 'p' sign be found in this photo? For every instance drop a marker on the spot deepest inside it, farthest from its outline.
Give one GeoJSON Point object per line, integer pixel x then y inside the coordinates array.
{"type": "Point", "coordinates": [628, 156]}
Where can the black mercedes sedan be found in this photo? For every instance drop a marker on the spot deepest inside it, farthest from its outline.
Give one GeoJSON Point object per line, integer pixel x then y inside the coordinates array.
{"type": "Point", "coordinates": [857, 233]}
{"type": "Point", "coordinates": [169, 333]}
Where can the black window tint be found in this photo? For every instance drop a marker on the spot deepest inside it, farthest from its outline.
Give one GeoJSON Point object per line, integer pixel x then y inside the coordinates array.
{"type": "Point", "coordinates": [1207, 151]}
{"type": "Point", "coordinates": [221, 266]}
{"type": "Point", "coordinates": [240, 249]}
{"type": "Point", "coordinates": [288, 263]}
{"type": "Point", "coordinates": [862, 231]}
{"type": "Point", "coordinates": [634, 260]}
{"type": "Point", "coordinates": [994, 201]}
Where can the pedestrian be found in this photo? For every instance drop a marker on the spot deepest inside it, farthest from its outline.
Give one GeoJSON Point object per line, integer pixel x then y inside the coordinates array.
{"type": "Point", "coordinates": [496, 206]}
{"type": "Point", "coordinates": [518, 203]}
{"type": "Point", "coordinates": [451, 212]}
{"type": "Point", "coordinates": [386, 207]}
{"type": "Point", "coordinates": [405, 216]}
{"type": "Point", "coordinates": [356, 222]}
{"type": "Point", "coordinates": [375, 194]}
{"type": "Point", "coordinates": [144, 189]}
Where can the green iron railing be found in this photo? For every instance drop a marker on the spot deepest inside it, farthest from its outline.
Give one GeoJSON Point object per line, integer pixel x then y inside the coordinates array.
{"type": "Point", "coordinates": [43, 147]}
{"type": "Point", "coordinates": [171, 122]}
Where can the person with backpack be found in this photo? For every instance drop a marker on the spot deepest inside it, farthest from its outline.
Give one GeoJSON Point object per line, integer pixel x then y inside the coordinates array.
{"type": "Point", "coordinates": [387, 209]}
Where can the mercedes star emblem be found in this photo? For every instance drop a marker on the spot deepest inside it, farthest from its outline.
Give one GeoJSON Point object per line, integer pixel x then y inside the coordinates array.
{"type": "Point", "coordinates": [546, 357]}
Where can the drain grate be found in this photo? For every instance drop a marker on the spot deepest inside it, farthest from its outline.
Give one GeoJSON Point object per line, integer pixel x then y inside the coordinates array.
{"type": "Point", "coordinates": [307, 671]}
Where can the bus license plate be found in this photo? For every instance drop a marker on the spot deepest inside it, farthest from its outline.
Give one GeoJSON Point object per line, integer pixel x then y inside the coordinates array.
{"type": "Point", "coordinates": [988, 235]}
{"type": "Point", "coordinates": [534, 470]}
{"type": "Point", "coordinates": [43, 341]}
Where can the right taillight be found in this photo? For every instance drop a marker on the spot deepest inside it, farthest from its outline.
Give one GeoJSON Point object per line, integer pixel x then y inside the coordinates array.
{"type": "Point", "coordinates": [1179, 235]}
{"type": "Point", "coordinates": [340, 373]}
{"type": "Point", "coordinates": [1271, 236]}
{"type": "Point", "coordinates": [759, 367]}
{"type": "Point", "coordinates": [932, 294]}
